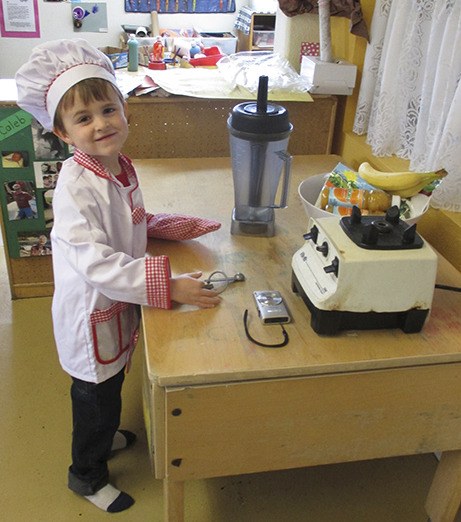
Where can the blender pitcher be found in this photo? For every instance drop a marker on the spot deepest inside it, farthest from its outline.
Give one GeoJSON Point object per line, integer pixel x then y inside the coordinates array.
{"type": "Point", "coordinates": [259, 134]}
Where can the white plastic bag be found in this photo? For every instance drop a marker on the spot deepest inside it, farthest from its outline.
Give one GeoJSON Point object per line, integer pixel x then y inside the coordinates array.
{"type": "Point", "coordinates": [244, 69]}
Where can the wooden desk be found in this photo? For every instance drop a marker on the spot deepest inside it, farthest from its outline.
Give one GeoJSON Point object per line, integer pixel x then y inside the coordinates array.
{"type": "Point", "coordinates": [216, 404]}
{"type": "Point", "coordinates": [185, 127]}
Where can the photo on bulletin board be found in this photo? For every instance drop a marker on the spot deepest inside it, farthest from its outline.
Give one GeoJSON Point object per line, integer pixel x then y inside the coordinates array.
{"type": "Point", "coordinates": [32, 244]}
{"type": "Point", "coordinates": [46, 173]}
{"type": "Point", "coordinates": [47, 201]}
{"type": "Point", "coordinates": [46, 144]}
{"type": "Point", "coordinates": [21, 200]}
{"type": "Point", "coordinates": [15, 159]}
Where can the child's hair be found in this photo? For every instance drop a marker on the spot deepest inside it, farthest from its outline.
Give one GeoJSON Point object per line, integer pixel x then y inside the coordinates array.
{"type": "Point", "coordinates": [88, 90]}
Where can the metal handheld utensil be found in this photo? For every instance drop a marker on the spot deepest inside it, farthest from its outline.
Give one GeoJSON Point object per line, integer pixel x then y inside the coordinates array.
{"type": "Point", "coordinates": [219, 280]}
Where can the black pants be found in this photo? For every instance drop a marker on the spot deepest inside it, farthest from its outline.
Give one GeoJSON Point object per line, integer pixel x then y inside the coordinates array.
{"type": "Point", "coordinates": [96, 410]}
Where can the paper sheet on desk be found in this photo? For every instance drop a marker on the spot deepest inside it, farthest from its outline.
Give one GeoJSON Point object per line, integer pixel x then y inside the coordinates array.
{"type": "Point", "coordinates": [209, 83]}
{"type": "Point", "coordinates": [127, 82]}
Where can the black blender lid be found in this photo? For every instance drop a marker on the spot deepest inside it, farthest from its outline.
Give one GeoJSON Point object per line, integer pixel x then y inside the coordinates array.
{"type": "Point", "coordinates": [260, 117]}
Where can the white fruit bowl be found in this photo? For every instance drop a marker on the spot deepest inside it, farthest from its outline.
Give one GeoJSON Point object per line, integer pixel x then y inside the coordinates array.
{"type": "Point", "coordinates": [309, 191]}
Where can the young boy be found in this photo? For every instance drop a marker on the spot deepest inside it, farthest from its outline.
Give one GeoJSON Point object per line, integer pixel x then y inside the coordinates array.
{"type": "Point", "coordinates": [99, 239]}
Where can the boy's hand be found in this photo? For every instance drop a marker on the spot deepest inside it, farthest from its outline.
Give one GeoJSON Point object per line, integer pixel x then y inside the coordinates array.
{"type": "Point", "coordinates": [188, 289]}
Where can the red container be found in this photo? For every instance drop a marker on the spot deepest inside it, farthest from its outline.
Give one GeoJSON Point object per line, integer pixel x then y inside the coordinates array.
{"type": "Point", "coordinates": [158, 66]}
{"type": "Point", "coordinates": [212, 56]}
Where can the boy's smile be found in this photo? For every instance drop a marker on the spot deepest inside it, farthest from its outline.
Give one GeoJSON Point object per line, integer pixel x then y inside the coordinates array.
{"type": "Point", "coordinates": [99, 128]}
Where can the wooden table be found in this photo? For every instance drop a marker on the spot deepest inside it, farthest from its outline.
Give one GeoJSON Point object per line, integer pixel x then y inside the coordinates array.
{"type": "Point", "coordinates": [216, 404]}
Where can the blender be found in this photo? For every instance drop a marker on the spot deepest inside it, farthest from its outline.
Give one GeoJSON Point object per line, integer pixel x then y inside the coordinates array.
{"type": "Point", "coordinates": [259, 134]}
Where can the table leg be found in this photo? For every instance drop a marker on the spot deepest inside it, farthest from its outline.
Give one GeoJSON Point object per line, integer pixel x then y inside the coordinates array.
{"type": "Point", "coordinates": [173, 500]}
{"type": "Point", "coordinates": [444, 497]}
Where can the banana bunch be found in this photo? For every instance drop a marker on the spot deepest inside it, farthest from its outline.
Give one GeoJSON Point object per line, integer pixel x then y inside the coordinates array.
{"type": "Point", "coordinates": [403, 184]}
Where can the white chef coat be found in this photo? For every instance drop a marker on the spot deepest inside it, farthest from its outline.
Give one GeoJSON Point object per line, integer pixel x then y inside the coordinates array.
{"type": "Point", "coordinates": [101, 273]}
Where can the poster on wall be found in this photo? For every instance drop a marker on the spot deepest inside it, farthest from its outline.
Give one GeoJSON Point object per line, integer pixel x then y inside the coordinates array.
{"type": "Point", "coordinates": [30, 161]}
{"type": "Point", "coordinates": [89, 17]}
{"type": "Point", "coordinates": [180, 6]}
{"type": "Point", "coordinates": [19, 19]}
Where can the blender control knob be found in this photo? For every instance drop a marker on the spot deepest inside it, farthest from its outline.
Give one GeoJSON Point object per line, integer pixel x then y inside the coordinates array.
{"type": "Point", "coordinates": [333, 268]}
{"type": "Point", "coordinates": [312, 234]}
{"type": "Point", "coordinates": [323, 248]}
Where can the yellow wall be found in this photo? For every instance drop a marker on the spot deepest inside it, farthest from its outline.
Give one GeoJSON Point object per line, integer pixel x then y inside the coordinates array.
{"type": "Point", "coordinates": [442, 229]}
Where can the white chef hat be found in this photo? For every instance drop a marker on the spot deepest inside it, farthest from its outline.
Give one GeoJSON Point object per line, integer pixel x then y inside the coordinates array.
{"type": "Point", "coordinates": [53, 68]}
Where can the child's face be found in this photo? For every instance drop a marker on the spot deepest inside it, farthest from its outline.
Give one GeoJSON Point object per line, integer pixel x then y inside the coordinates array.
{"type": "Point", "coordinates": [99, 128]}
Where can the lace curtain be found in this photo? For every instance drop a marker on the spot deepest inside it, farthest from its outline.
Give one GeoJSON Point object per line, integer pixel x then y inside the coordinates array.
{"type": "Point", "coordinates": [410, 97]}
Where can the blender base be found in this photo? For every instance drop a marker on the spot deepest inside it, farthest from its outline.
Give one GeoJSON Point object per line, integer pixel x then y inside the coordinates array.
{"type": "Point", "coordinates": [252, 228]}
{"type": "Point", "coordinates": [330, 322]}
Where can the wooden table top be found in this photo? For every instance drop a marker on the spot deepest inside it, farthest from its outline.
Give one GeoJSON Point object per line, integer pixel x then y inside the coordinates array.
{"type": "Point", "coordinates": [191, 346]}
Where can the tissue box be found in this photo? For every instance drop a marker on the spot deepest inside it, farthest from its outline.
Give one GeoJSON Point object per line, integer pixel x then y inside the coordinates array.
{"type": "Point", "coordinates": [328, 77]}
{"type": "Point", "coordinates": [118, 56]}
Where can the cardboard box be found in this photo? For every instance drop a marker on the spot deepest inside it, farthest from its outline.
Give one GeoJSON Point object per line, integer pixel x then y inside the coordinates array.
{"type": "Point", "coordinates": [118, 56]}
{"type": "Point", "coordinates": [328, 78]}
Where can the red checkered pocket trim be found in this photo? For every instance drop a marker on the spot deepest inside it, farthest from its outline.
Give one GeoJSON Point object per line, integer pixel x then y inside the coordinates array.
{"type": "Point", "coordinates": [121, 319]}
{"type": "Point", "coordinates": [102, 316]}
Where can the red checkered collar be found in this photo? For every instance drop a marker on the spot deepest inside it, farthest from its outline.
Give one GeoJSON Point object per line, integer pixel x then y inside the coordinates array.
{"type": "Point", "coordinates": [91, 163]}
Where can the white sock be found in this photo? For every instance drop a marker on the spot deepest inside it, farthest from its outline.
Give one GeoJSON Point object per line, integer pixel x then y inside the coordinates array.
{"type": "Point", "coordinates": [104, 497]}
{"type": "Point", "coordinates": [119, 441]}
{"type": "Point", "coordinates": [123, 439]}
{"type": "Point", "coordinates": [110, 499]}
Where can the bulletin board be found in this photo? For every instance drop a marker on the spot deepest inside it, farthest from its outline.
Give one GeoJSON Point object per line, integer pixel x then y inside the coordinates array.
{"type": "Point", "coordinates": [30, 161]}
{"type": "Point", "coordinates": [180, 6]}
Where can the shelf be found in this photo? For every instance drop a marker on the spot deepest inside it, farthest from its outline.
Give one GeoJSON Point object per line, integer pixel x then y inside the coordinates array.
{"type": "Point", "coordinates": [261, 33]}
